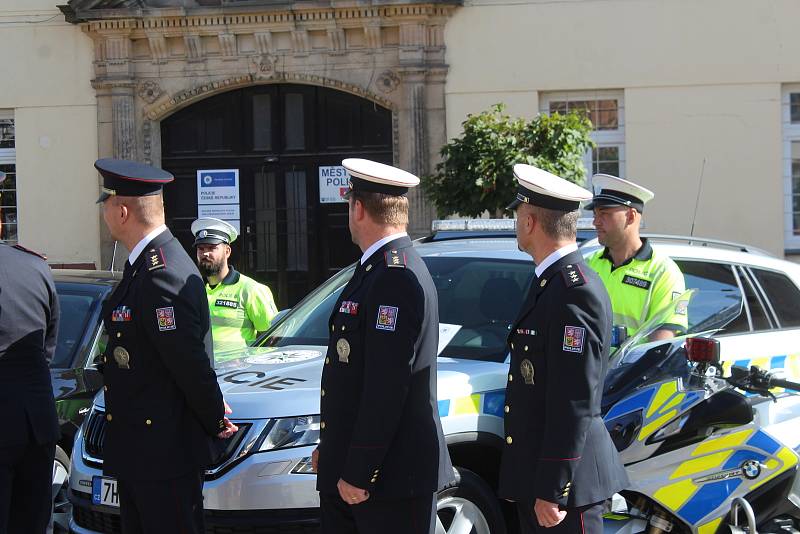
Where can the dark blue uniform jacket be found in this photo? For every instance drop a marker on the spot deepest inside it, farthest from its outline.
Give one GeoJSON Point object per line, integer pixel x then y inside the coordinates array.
{"type": "Point", "coordinates": [381, 429]}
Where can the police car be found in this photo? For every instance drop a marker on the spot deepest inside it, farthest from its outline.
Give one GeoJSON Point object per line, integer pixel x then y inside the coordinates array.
{"type": "Point", "coordinates": [264, 483]}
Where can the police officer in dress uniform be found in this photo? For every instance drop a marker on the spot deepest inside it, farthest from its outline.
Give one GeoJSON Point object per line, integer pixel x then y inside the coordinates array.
{"type": "Point", "coordinates": [640, 281]}
{"type": "Point", "coordinates": [164, 407]}
{"type": "Point", "coordinates": [559, 463]}
{"type": "Point", "coordinates": [240, 307]}
{"type": "Point", "coordinates": [29, 314]}
{"type": "Point", "coordinates": [382, 454]}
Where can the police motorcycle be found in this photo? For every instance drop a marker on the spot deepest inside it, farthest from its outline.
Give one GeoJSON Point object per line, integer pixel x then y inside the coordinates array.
{"type": "Point", "coordinates": [710, 446]}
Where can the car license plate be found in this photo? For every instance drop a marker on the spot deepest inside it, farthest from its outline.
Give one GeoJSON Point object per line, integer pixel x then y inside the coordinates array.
{"type": "Point", "coordinates": [104, 491]}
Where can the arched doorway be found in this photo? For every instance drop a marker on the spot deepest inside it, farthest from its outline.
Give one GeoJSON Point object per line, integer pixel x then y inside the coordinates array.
{"type": "Point", "coordinates": [278, 137]}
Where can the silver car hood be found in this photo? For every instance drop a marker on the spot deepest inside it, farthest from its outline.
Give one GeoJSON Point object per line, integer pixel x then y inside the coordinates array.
{"type": "Point", "coordinates": [267, 382]}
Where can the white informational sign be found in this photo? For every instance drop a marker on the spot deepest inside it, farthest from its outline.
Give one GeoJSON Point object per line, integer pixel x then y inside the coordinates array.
{"type": "Point", "coordinates": [446, 334]}
{"type": "Point", "coordinates": [333, 184]}
{"type": "Point", "coordinates": [218, 195]}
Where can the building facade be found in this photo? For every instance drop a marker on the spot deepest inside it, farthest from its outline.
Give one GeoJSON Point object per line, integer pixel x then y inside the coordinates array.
{"type": "Point", "coordinates": [699, 101]}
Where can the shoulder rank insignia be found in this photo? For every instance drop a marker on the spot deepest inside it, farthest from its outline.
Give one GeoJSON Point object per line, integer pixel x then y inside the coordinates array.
{"type": "Point", "coordinates": [395, 259]}
{"type": "Point", "coordinates": [29, 251]}
{"type": "Point", "coordinates": [573, 276]}
{"type": "Point", "coordinates": [155, 259]}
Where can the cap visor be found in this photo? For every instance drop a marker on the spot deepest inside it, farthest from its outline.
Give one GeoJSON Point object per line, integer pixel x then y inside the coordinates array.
{"type": "Point", "coordinates": [209, 240]}
{"type": "Point", "coordinates": [514, 203]}
{"type": "Point", "coordinates": [102, 198]}
{"type": "Point", "coordinates": [601, 203]}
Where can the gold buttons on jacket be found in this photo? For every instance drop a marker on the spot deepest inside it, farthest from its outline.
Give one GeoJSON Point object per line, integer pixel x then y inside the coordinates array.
{"type": "Point", "coordinates": [119, 334]}
{"type": "Point", "coordinates": [322, 393]}
{"type": "Point", "coordinates": [333, 328]}
{"type": "Point", "coordinates": [507, 408]}
{"type": "Point", "coordinates": [327, 361]}
{"type": "Point", "coordinates": [526, 348]}
{"type": "Point", "coordinates": [105, 388]}
{"type": "Point", "coordinates": [322, 425]}
{"type": "Point", "coordinates": [343, 328]}
{"type": "Point", "coordinates": [512, 346]}
{"type": "Point", "coordinates": [369, 267]}
{"type": "Point", "coordinates": [148, 422]}
{"type": "Point", "coordinates": [510, 377]}
{"type": "Point", "coordinates": [509, 440]}
{"type": "Point", "coordinates": [108, 417]}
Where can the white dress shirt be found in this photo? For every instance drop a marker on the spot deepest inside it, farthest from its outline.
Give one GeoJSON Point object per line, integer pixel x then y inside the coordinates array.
{"type": "Point", "coordinates": [554, 257]}
{"type": "Point", "coordinates": [379, 243]}
{"type": "Point", "coordinates": [143, 243]}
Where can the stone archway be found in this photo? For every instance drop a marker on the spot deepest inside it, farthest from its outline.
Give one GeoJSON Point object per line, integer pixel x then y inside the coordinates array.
{"type": "Point", "coordinates": [153, 57]}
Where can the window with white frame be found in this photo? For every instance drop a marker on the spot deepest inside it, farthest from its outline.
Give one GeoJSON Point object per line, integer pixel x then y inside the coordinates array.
{"type": "Point", "coordinates": [790, 113]}
{"type": "Point", "coordinates": [8, 189]}
{"type": "Point", "coordinates": [606, 110]}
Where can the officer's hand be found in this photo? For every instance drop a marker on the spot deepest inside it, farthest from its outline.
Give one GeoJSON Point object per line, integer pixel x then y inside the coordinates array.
{"type": "Point", "coordinates": [351, 494]}
{"type": "Point", "coordinates": [228, 409]}
{"type": "Point", "coordinates": [230, 429]}
{"type": "Point", "coordinates": [315, 460]}
{"type": "Point", "coordinates": [548, 514]}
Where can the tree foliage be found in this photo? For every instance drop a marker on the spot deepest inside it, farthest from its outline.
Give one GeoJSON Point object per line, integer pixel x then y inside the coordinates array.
{"type": "Point", "coordinates": [475, 173]}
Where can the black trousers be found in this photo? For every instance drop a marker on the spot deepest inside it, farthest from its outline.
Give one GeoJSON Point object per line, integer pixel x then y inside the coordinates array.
{"type": "Point", "coordinates": [173, 506]}
{"type": "Point", "coordinates": [406, 516]}
{"type": "Point", "coordinates": [583, 520]}
{"type": "Point", "coordinates": [26, 488]}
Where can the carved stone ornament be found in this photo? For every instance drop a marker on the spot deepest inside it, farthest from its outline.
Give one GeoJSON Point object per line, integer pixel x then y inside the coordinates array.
{"type": "Point", "coordinates": [388, 81]}
{"type": "Point", "coordinates": [265, 65]}
{"type": "Point", "coordinates": [150, 91]}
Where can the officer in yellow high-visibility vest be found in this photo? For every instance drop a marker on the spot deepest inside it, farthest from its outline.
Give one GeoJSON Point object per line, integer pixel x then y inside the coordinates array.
{"type": "Point", "coordinates": [640, 280]}
{"type": "Point", "coordinates": [240, 307]}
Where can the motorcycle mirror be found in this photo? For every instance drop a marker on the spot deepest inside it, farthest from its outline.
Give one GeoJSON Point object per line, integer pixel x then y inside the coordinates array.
{"type": "Point", "coordinates": [702, 350]}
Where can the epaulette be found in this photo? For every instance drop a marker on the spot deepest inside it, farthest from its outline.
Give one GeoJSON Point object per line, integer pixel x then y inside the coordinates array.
{"type": "Point", "coordinates": [29, 251]}
{"type": "Point", "coordinates": [155, 259]}
{"type": "Point", "coordinates": [395, 259]}
{"type": "Point", "coordinates": [573, 276]}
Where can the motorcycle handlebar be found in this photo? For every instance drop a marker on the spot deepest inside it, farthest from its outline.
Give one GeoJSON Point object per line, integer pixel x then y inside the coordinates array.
{"type": "Point", "coordinates": [785, 384]}
{"type": "Point", "coordinates": [759, 381]}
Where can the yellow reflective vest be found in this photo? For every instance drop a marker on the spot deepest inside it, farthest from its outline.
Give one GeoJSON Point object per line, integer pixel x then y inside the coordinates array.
{"type": "Point", "coordinates": [240, 307]}
{"type": "Point", "coordinates": [641, 287]}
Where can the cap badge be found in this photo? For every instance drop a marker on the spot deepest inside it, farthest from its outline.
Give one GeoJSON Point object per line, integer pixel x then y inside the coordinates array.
{"type": "Point", "coordinates": [203, 234]}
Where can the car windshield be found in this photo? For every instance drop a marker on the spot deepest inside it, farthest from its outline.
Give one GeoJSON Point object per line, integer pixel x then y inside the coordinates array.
{"type": "Point", "coordinates": [707, 311]}
{"type": "Point", "coordinates": [478, 300]}
{"type": "Point", "coordinates": [77, 308]}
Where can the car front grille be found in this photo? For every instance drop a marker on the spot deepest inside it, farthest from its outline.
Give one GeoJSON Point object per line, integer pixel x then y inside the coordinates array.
{"type": "Point", "coordinates": [96, 521]}
{"type": "Point", "coordinates": [94, 433]}
{"type": "Point", "coordinates": [218, 522]}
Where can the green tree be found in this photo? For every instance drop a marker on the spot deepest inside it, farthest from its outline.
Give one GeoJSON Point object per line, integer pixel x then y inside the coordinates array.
{"type": "Point", "coordinates": [475, 173]}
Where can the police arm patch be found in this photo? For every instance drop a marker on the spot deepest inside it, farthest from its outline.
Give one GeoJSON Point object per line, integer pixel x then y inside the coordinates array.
{"type": "Point", "coordinates": [387, 318]}
{"type": "Point", "coordinates": [574, 337]}
{"type": "Point", "coordinates": [166, 318]}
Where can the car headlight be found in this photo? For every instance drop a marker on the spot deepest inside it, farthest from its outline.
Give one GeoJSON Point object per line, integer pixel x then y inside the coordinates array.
{"type": "Point", "coordinates": [291, 432]}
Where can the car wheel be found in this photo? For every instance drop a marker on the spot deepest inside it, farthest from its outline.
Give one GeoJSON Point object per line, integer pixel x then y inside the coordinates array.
{"type": "Point", "coordinates": [61, 505]}
{"type": "Point", "coordinates": [468, 506]}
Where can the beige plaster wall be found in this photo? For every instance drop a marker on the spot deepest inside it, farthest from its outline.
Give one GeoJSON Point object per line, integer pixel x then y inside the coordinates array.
{"type": "Point", "coordinates": [701, 79]}
{"type": "Point", "coordinates": [47, 66]}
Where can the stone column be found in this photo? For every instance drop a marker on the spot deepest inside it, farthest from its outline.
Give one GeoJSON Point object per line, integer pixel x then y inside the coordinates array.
{"type": "Point", "coordinates": [414, 146]}
{"type": "Point", "coordinates": [124, 121]}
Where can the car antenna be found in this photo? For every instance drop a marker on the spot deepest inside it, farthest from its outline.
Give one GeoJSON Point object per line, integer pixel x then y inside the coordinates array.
{"type": "Point", "coordinates": [113, 256]}
{"type": "Point", "coordinates": [699, 192]}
